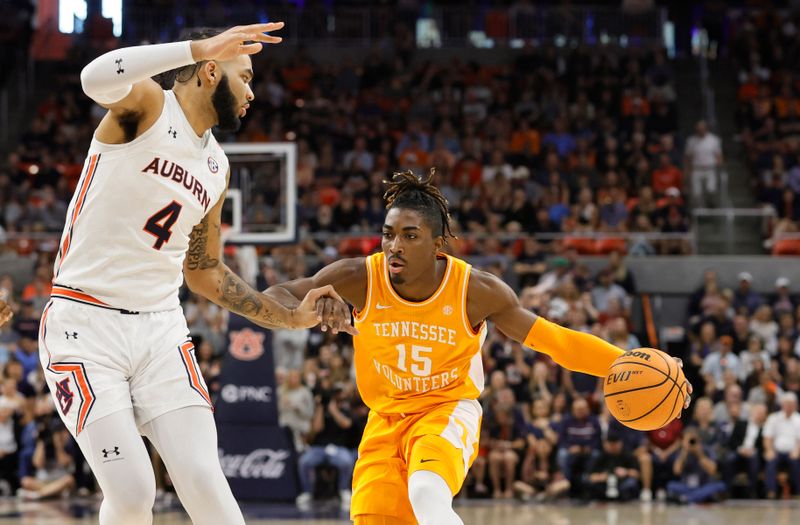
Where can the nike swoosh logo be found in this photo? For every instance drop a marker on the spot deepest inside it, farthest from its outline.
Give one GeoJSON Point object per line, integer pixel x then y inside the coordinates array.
{"type": "Point", "coordinates": [426, 460]}
{"type": "Point", "coordinates": [379, 306]}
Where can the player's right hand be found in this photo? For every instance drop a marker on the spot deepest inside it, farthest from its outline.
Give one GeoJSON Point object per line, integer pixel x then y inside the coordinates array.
{"type": "Point", "coordinates": [231, 43]}
{"type": "Point", "coordinates": [325, 307]}
{"type": "Point", "coordinates": [5, 313]}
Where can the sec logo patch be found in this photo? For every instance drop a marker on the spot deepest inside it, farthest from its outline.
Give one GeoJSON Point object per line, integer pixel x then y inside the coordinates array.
{"type": "Point", "coordinates": [213, 166]}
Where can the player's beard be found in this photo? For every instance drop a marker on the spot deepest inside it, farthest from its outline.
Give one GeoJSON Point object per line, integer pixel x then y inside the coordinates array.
{"type": "Point", "coordinates": [397, 279]}
{"type": "Point", "coordinates": [226, 106]}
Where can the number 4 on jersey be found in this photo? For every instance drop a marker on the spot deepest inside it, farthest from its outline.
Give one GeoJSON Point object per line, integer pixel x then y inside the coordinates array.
{"type": "Point", "coordinates": [159, 225]}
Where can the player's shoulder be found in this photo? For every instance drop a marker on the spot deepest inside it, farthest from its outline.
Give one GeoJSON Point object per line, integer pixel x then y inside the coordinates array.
{"type": "Point", "coordinates": [481, 278]}
{"type": "Point", "coordinates": [352, 268]}
{"type": "Point", "coordinates": [486, 287]}
{"type": "Point", "coordinates": [348, 276]}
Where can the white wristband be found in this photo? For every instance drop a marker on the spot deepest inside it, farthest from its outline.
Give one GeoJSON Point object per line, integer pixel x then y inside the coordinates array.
{"type": "Point", "coordinates": [110, 77]}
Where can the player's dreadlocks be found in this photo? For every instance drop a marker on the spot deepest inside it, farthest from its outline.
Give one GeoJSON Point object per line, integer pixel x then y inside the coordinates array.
{"type": "Point", "coordinates": [185, 73]}
{"type": "Point", "coordinates": [408, 191]}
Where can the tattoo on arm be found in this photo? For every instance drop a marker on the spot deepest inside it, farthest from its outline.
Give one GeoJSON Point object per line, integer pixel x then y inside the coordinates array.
{"type": "Point", "coordinates": [239, 298]}
{"type": "Point", "coordinates": [230, 290]}
{"type": "Point", "coordinates": [197, 257]}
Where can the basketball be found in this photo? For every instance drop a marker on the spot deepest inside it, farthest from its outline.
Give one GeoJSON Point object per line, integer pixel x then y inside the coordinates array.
{"type": "Point", "coordinates": [645, 389]}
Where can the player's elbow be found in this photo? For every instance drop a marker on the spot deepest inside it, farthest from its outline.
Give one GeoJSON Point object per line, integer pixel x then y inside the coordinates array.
{"type": "Point", "coordinates": [100, 91]}
{"type": "Point", "coordinates": [201, 282]}
{"type": "Point", "coordinates": [89, 84]}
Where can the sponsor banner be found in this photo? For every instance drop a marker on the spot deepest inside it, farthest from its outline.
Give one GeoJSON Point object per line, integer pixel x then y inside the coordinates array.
{"type": "Point", "coordinates": [247, 383]}
{"type": "Point", "coordinates": [259, 462]}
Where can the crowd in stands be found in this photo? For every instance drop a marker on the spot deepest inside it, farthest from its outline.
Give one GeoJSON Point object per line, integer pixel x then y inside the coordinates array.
{"type": "Point", "coordinates": [552, 142]}
{"type": "Point", "coordinates": [765, 46]}
{"type": "Point", "coordinates": [549, 141]}
{"type": "Point", "coordinates": [546, 432]}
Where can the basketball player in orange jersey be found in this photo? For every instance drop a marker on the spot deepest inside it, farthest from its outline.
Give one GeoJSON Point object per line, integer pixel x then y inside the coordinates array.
{"type": "Point", "coordinates": [114, 343]}
{"type": "Point", "coordinates": [421, 317]}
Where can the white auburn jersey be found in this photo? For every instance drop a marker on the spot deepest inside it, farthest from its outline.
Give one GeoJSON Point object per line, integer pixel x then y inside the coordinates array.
{"type": "Point", "coordinates": [129, 221]}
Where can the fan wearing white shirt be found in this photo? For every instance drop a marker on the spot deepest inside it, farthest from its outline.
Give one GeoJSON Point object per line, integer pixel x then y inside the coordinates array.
{"type": "Point", "coordinates": [782, 444]}
{"type": "Point", "coordinates": [703, 156]}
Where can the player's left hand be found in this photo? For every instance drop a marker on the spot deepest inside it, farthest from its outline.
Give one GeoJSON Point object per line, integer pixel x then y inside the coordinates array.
{"type": "Point", "coordinates": [325, 307]}
{"type": "Point", "coordinates": [689, 388]}
{"type": "Point", "coordinates": [5, 312]}
{"type": "Point", "coordinates": [232, 43]}
{"type": "Point", "coordinates": [334, 315]}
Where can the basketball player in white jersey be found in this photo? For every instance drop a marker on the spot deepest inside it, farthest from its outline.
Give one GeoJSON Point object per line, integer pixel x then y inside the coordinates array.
{"type": "Point", "coordinates": [114, 343]}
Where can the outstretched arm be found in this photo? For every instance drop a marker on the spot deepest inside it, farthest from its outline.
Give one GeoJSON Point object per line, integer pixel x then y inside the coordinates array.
{"type": "Point", "coordinates": [492, 299]}
{"type": "Point", "coordinates": [348, 277]}
{"type": "Point", "coordinates": [208, 276]}
{"type": "Point", "coordinates": [120, 80]}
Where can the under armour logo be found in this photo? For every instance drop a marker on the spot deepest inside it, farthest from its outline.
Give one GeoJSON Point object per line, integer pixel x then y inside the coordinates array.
{"type": "Point", "coordinates": [172, 132]}
{"type": "Point", "coordinates": [64, 396]}
{"type": "Point", "coordinates": [114, 451]}
{"type": "Point", "coordinates": [120, 69]}
{"type": "Point", "coordinates": [73, 335]}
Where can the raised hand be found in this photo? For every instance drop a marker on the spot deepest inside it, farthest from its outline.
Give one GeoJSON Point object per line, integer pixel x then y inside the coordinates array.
{"type": "Point", "coordinates": [231, 43]}
{"type": "Point", "coordinates": [689, 388]}
{"type": "Point", "coordinates": [324, 306]}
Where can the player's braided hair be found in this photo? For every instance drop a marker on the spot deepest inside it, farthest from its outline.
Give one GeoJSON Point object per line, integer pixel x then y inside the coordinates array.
{"type": "Point", "coordinates": [185, 73]}
{"type": "Point", "coordinates": [408, 191]}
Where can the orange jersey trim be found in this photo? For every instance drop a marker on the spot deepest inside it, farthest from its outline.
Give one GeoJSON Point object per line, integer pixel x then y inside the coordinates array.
{"type": "Point", "coordinates": [84, 189]}
{"type": "Point", "coordinates": [68, 293]}
{"type": "Point", "coordinates": [78, 373]}
{"type": "Point", "coordinates": [192, 371]}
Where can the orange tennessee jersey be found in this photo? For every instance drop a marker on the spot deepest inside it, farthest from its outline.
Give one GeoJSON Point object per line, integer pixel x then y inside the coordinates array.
{"type": "Point", "coordinates": [412, 356]}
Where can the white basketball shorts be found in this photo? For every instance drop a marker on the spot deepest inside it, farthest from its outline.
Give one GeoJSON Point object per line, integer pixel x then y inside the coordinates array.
{"type": "Point", "coordinates": [98, 361]}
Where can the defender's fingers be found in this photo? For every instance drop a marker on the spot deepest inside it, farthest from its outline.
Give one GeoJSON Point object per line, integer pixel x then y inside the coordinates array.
{"type": "Point", "coordinates": [329, 309]}
{"type": "Point", "coordinates": [326, 290]}
{"type": "Point", "coordinates": [350, 329]}
{"type": "Point", "coordinates": [250, 49]}
{"type": "Point", "coordinates": [262, 28]}
{"type": "Point", "coordinates": [320, 308]}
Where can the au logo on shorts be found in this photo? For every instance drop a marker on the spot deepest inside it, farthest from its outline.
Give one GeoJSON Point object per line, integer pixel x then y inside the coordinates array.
{"type": "Point", "coordinates": [64, 395]}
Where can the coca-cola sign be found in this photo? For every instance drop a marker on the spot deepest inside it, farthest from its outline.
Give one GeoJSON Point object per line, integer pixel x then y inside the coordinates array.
{"type": "Point", "coordinates": [262, 463]}
{"type": "Point", "coordinates": [259, 462]}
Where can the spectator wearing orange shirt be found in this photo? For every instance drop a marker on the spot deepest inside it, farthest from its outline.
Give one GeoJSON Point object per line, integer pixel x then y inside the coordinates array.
{"type": "Point", "coordinates": [297, 76]}
{"type": "Point", "coordinates": [525, 140]}
{"type": "Point", "coordinates": [413, 156]}
{"type": "Point", "coordinates": [667, 175]}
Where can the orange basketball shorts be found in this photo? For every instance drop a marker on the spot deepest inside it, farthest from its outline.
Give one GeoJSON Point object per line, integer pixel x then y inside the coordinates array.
{"type": "Point", "coordinates": [442, 440]}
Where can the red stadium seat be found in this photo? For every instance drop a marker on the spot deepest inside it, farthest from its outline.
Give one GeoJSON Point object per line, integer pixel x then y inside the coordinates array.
{"type": "Point", "coordinates": [355, 246]}
{"type": "Point", "coordinates": [349, 247]}
{"type": "Point", "coordinates": [608, 245]}
{"type": "Point", "coordinates": [583, 245]}
{"type": "Point", "coordinates": [329, 196]}
{"type": "Point", "coordinates": [369, 244]}
{"type": "Point", "coordinates": [786, 247]}
{"type": "Point", "coordinates": [516, 248]}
